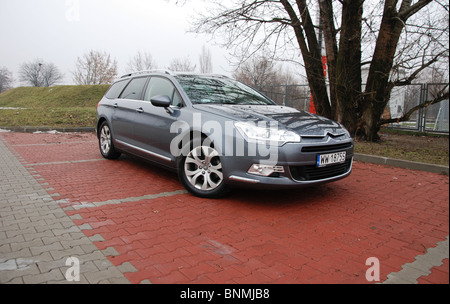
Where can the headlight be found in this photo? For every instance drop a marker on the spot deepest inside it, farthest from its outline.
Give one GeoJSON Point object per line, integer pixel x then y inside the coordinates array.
{"type": "Point", "coordinates": [263, 134]}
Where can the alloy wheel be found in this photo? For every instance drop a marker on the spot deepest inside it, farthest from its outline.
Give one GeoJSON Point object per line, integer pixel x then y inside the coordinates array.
{"type": "Point", "coordinates": [105, 139]}
{"type": "Point", "coordinates": [203, 168]}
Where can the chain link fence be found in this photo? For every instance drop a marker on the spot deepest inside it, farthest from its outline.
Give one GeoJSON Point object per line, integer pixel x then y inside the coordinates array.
{"type": "Point", "coordinates": [434, 118]}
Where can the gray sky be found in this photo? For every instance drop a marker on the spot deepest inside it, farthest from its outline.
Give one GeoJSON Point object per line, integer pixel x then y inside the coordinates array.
{"type": "Point", "coordinates": [59, 31]}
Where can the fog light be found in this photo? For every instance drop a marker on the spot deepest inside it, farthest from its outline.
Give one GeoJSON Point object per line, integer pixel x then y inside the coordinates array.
{"type": "Point", "coordinates": [265, 170]}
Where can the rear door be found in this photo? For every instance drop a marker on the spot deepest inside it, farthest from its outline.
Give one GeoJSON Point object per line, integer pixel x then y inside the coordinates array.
{"type": "Point", "coordinates": [112, 97]}
{"type": "Point", "coordinates": [126, 106]}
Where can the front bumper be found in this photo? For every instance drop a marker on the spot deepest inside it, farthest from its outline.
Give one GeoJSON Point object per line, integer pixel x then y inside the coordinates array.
{"type": "Point", "coordinates": [299, 164]}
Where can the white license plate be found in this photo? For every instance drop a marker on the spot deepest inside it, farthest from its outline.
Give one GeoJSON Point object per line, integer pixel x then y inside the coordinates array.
{"type": "Point", "coordinates": [330, 159]}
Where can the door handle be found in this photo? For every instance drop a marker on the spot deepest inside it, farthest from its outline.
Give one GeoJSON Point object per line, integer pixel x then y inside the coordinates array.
{"type": "Point", "coordinates": [140, 110]}
{"type": "Point", "coordinates": [116, 105]}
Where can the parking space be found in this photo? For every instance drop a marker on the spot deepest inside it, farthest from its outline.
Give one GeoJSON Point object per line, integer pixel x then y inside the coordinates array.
{"type": "Point", "coordinates": [322, 234]}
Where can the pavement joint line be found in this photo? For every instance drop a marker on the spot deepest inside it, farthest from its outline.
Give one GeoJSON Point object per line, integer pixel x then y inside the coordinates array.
{"type": "Point", "coordinates": [64, 162]}
{"type": "Point", "coordinates": [123, 200]}
{"type": "Point", "coordinates": [421, 266]}
{"type": "Point", "coordinates": [55, 143]}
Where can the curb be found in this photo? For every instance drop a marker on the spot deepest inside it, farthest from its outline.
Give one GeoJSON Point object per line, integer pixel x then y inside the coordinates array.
{"type": "Point", "coordinates": [399, 163]}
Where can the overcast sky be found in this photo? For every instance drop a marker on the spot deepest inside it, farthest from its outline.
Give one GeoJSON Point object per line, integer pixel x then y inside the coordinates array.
{"type": "Point", "coordinates": [59, 31]}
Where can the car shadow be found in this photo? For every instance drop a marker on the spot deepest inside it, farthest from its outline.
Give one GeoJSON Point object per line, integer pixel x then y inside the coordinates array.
{"type": "Point", "coordinates": [314, 194]}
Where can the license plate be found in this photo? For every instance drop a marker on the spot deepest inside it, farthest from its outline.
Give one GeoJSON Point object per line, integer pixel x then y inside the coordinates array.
{"type": "Point", "coordinates": [330, 159]}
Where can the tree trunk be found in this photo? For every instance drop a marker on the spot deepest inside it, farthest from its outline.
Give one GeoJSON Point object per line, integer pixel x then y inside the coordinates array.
{"type": "Point", "coordinates": [348, 66]}
{"type": "Point", "coordinates": [377, 88]}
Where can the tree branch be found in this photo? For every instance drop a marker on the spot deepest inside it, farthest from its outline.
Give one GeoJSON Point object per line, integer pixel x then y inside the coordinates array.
{"type": "Point", "coordinates": [407, 11]}
{"type": "Point", "coordinates": [441, 96]}
{"type": "Point", "coordinates": [409, 80]}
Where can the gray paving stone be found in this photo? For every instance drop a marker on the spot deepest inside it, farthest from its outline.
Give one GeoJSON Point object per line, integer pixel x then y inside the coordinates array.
{"type": "Point", "coordinates": [98, 276]}
{"type": "Point", "coordinates": [421, 266]}
{"type": "Point", "coordinates": [37, 236]}
{"type": "Point", "coordinates": [127, 267]}
{"type": "Point", "coordinates": [52, 275]}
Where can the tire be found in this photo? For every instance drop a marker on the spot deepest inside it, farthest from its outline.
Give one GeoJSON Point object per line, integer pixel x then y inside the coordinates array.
{"type": "Point", "coordinates": [105, 142]}
{"type": "Point", "coordinates": [200, 172]}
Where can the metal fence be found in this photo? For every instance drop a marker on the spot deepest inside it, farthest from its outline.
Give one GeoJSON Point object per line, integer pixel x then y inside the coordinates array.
{"type": "Point", "coordinates": [295, 96]}
{"type": "Point", "coordinates": [434, 118]}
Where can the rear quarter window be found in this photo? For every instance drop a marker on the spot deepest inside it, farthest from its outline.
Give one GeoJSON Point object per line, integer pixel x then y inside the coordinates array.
{"type": "Point", "coordinates": [134, 88]}
{"type": "Point", "coordinates": [115, 90]}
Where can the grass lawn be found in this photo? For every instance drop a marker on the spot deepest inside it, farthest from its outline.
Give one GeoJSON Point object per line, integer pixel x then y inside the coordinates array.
{"type": "Point", "coordinates": [49, 117]}
{"type": "Point", "coordinates": [433, 149]}
{"type": "Point", "coordinates": [59, 106]}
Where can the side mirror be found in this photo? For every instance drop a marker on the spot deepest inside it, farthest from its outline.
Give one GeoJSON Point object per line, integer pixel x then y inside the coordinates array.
{"type": "Point", "coordinates": [162, 101]}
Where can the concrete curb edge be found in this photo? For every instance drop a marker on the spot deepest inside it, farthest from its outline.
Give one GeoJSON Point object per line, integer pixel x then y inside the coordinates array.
{"type": "Point", "coordinates": [30, 129]}
{"type": "Point", "coordinates": [399, 163]}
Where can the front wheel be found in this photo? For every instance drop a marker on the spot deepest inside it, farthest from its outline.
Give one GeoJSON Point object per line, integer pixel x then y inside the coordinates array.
{"type": "Point", "coordinates": [201, 172]}
{"type": "Point", "coordinates": [106, 143]}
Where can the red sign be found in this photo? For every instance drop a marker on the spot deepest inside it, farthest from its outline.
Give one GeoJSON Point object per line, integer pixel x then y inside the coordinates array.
{"type": "Point", "coordinates": [312, 108]}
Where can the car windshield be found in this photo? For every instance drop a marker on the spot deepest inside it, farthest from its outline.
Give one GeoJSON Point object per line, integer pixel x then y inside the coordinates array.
{"type": "Point", "coordinates": [216, 90]}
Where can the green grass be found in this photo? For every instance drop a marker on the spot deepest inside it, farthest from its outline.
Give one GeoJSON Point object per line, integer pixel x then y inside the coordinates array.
{"type": "Point", "coordinates": [59, 106]}
{"type": "Point", "coordinates": [50, 117]}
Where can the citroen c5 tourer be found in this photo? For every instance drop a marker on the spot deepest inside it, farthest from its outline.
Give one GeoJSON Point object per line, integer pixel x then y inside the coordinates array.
{"type": "Point", "coordinates": [217, 132]}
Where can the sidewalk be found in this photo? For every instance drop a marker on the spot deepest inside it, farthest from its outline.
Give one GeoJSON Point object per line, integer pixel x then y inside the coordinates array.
{"type": "Point", "coordinates": [37, 237]}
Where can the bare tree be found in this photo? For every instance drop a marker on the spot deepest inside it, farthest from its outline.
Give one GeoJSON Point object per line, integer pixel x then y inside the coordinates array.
{"type": "Point", "coordinates": [40, 74]}
{"type": "Point", "coordinates": [205, 61]}
{"type": "Point", "coordinates": [258, 71]}
{"type": "Point", "coordinates": [356, 33]}
{"type": "Point", "coordinates": [182, 65]}
{"type": "Point", "coordinates": [6, 79]}
{"type": "Point", "coordinates": [141, 62]}
{"type": "Point", "coordinates": [269, 77]}
{"type": "Point", "coordinates": [95, 67]}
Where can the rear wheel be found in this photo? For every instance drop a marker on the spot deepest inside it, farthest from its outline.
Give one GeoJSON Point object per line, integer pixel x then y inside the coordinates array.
{"type": "Point", "coordinates": [201, 172]}
{"type": "Point", "coordinates": [106, 143]}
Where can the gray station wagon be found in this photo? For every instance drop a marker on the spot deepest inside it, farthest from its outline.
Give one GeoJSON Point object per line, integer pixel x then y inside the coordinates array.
{"type": "Point", "coordinates": [217, 133]}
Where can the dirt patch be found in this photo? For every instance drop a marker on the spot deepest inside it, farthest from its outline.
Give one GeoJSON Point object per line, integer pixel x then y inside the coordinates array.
{"type": "Point", "coordinates": [420, 148]}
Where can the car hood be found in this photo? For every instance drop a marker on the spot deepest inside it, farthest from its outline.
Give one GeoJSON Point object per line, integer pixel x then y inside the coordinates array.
{"type": "Point", "coordinates": [301, 122]}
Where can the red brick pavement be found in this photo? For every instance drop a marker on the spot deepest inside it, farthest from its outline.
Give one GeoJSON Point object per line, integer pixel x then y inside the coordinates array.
{"type": "Point", "coordinates": [322, 234]}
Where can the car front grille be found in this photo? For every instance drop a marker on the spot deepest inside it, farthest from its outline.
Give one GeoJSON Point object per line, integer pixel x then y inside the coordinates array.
{"type": "Point", "coordinates": [313, 173]}
{"type": "Point", "coordinates": [327, 147]}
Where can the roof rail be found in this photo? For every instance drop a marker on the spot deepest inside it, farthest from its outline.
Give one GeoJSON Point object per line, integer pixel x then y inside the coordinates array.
{"type": "Point", "coordinates": [200, 74]}
{"type": "Point", "coordinates": [148, 71]}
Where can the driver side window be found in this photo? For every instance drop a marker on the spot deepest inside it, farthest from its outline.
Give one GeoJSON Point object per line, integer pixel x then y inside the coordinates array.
{"type": "Point", "coordinates": [161, 86]}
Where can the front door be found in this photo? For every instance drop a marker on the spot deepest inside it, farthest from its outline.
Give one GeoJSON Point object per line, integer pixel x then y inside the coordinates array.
{"type": "Point", "coordinates": [152, 124]}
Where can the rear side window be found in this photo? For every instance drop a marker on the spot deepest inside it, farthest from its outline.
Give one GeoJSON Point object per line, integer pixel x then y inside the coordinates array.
{"type": "Point", "coordinates": [134, 88]}
{"type": "Point", "coordinates": [115, 90]}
